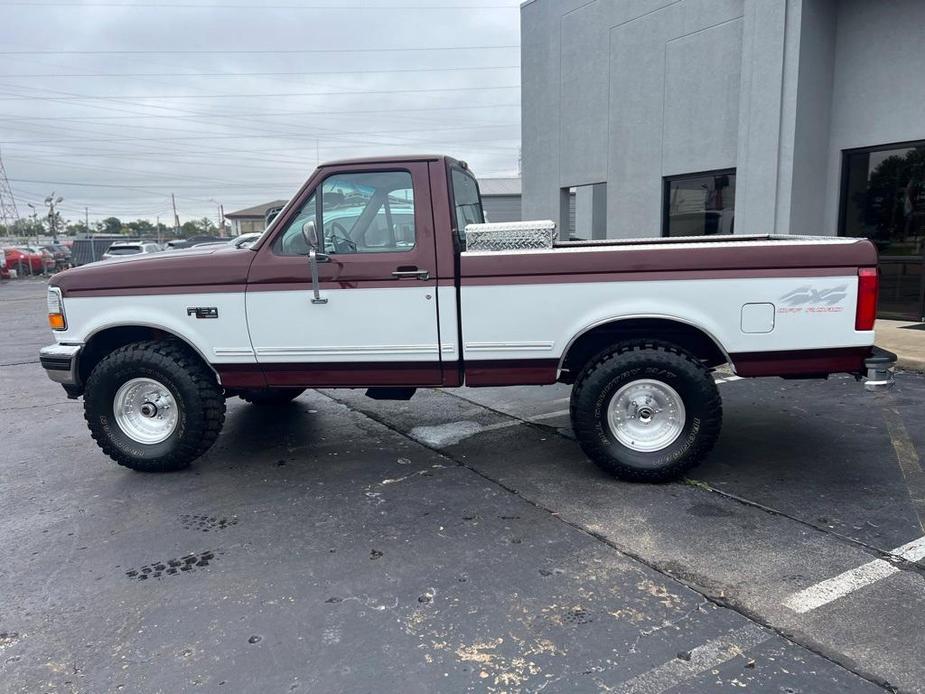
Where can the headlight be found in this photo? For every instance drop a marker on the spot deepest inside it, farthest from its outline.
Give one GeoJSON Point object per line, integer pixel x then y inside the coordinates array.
{"type": "Point", "coordinates": [56, 318]}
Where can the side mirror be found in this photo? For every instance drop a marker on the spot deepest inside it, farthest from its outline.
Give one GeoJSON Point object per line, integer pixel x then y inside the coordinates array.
{"type": "Point", "coordinates": [310, 234]}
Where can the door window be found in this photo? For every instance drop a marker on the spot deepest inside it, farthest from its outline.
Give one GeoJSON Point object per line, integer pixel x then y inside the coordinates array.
{"type": "Point", "coordinates": [359, 213]}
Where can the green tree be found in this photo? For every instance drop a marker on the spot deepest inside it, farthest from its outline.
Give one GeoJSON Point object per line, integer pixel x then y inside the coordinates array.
{"type": "Point", "coordinates": [198, 227]}
{"type": "Point", "coordinates": [110, 225]}
{"type": "Point", "coordinates": [140, 227]}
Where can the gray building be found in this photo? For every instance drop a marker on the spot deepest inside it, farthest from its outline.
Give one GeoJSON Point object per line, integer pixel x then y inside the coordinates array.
{"type": "Point", "coordinates": [680, 117]}
{"type": "Point", "coordinates": [501, 199]}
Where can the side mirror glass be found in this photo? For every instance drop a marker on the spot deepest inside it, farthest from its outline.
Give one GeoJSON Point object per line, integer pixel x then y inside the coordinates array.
{"type": "Point", "coordinates": [310, 234]}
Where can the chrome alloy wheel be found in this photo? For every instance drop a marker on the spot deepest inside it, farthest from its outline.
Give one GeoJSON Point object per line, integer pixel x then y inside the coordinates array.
{"type": "Point", "coordinates": [145, 411]}
{"type": "Point", "coordinates": [646, 415]}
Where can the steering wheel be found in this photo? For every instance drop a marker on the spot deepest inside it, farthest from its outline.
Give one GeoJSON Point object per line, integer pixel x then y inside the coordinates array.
{"type": "Point", "coordinates": [340, 239]}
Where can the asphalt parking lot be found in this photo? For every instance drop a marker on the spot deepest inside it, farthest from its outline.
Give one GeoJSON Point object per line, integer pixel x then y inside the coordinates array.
{"type": "Point", "coordinates": [461, 542]}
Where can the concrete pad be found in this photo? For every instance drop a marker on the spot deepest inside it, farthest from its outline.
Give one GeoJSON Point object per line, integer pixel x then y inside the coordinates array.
{"type": "Point", "coordinates": [906, 339]}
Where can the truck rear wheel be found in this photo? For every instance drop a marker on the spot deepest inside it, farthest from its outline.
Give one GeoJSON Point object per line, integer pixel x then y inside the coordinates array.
{"type": "Point", "coordinates": [153, 406]}
{"type": "Point", "coordinates": [271, 396]}
{"type": "Point", "coordinates": [646, 412]}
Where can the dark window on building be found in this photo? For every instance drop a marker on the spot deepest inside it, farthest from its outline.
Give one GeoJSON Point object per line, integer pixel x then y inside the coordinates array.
{"type": "Point", "coordinates": [883, 199]}
{"type": "Point", "coordinates": [700, 204]}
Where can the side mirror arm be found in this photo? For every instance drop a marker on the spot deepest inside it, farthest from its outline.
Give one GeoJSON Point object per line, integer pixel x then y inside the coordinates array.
{"type": "Point", "coordinates": [313, 259]}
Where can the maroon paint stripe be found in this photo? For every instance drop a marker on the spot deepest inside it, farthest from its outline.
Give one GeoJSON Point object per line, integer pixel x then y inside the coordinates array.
{"type": "Point", "coordinates": [735, 256]}
{"type": "Point", "coordinates": [156, 291]}
{"type": "Point", "coordinates": [511, 372]}
{"type": "Point", "coordinates": [334, 374]}
{"type": "Point", "coordinates": [801, 362]}
{"type": "Point", "coordinates": [658, 276]}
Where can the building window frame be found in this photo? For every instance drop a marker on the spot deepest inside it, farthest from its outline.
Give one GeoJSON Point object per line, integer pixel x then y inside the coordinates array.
{"type": "Point", "coordinates": [666, 189]}
{"type": "Point", "coordinates": [843, 180]}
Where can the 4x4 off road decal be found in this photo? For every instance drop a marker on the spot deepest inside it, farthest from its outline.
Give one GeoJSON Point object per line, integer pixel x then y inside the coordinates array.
{"type": "Point", "coordinates": [810, 300]}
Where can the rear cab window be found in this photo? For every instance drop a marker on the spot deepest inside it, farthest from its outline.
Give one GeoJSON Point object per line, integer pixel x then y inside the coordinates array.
{"type": "Point", "coordinates": [467, 202]}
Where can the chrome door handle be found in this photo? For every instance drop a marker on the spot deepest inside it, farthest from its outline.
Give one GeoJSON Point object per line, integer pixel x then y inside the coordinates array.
{"type": "Point", "coordinates": [412, 274]}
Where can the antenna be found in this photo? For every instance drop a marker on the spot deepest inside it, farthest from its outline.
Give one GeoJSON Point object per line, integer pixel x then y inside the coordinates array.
{"type": "Point", "coordinates": [8, 212]}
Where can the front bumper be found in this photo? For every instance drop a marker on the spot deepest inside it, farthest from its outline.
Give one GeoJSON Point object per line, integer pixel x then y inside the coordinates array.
{"type": "Point", "coordinates": [60, 363]}
{"type": "Point", "coordinates": [879, 367]}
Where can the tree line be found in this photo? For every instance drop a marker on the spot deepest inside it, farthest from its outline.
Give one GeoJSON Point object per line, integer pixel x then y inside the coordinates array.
{"type": "Point", "coordinates": [110, 225]}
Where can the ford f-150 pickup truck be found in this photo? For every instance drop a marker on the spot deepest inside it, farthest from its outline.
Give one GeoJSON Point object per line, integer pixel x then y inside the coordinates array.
{"type": "Point", "coordinates": [381, 274]}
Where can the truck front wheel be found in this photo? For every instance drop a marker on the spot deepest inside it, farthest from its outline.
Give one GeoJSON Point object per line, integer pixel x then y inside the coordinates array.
{"type": "Point", "coordinates": [153, 406]}
{"type": "Point", "coordinates": [646, 412]}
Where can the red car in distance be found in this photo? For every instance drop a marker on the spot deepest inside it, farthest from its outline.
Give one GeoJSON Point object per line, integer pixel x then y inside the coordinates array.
{"type": "Point", "coordinates": [28, 261]}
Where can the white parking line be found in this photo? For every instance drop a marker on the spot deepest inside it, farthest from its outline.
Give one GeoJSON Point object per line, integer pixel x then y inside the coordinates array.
{"type": "Point", "coordinates": [832, 589]}
{"type": "Point", "coordinates": [727, 379]}
{"type": "Point", "coordinates": [709, 655]}
{"type": "Point", "coordinates": [549, 415]}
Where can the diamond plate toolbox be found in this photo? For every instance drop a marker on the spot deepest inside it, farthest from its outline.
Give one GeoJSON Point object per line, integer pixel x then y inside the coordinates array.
{"type": "Point", "coordinates": [511, 236]}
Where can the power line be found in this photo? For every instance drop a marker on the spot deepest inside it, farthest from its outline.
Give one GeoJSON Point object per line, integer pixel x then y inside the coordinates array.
{"type": "Point", "coordinates": [256, 96]}
{"type": "Point", "coordinates": [265, 74]}
{"type": "Point", "coordinates": [276, 114]}
{"type": "Point", "coordinates": [216, 6]}
{"type": "Point", "coordinates": [256, 51]}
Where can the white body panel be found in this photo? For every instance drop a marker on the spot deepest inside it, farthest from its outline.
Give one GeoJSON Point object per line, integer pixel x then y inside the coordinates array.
{"type": "Point", "coordinates": [356, 325]}
{"type": "Point", "coordinates": [219, 340]}
{"type": "Point", "coordinates": [538, 321]}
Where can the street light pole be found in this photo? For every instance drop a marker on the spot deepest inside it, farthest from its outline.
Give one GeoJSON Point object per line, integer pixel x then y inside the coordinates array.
{"type": "Point", "coordinates": [51, 201]}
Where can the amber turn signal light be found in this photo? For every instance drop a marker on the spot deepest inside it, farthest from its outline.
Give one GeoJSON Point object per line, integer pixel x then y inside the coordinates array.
{"type": "Point", "coordinates": [56, 321]}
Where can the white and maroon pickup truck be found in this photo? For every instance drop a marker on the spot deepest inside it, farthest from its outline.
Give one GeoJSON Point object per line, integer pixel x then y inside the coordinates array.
{"type": "Point", "coordinates": [365, 280]}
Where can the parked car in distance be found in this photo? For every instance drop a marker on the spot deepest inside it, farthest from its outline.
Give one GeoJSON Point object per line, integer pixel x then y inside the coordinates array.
{"type": "Point", "coordinates": [242, 241]}
{"type": "Point", "coordinates": [28, 261]}
{"type": "Point", "coordinates": [123, 248]}
{"type": "Point", "coordinates": [61, 254]}
{"type": "Point", "coordinates": [245, 240]}
{"type": "Point", "coordinates": [176, 244]}
{"type": "Point", "coordinates": [4, 270]}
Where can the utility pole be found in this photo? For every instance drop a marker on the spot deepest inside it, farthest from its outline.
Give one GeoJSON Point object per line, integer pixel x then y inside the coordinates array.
{"type": "Point", "coordinates": [92, 241]}
{"type": "Point", "coordinates": [221, 212]}
{"type": "Point", "coordinates": [8, 212]}
{"type": "Point", "coordinates": [157, 227]}
{"type": "Point", "coordinates": [176, 219]}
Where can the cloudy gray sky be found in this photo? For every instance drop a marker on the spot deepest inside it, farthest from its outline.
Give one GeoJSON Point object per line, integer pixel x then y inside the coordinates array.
{"type": "Point", "coordinates": [114, 104]}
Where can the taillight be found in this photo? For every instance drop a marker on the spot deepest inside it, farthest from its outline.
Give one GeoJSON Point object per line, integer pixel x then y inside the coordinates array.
{"type": "Point", "coordinates": [868, 288]}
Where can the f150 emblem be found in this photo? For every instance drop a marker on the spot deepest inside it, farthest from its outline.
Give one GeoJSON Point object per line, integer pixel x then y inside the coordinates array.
{"type": "Point", "coordinates": [202, 311]}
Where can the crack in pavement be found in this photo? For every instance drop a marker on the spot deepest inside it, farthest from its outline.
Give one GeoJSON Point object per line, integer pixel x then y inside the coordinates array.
{"type": "Point", "coordinates": [805, 643]}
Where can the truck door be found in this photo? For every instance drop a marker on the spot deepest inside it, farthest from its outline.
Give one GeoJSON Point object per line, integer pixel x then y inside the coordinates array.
{"type": "Point", "coordinates": [376, 323]}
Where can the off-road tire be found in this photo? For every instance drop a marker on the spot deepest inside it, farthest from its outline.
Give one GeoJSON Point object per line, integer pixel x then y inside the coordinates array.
{"type": "Point", "coordinates": [273, 397]}
{"type": "Point", "coordinates": [624, 363]}
{"type": "Point", "coordinates": [200, 404]}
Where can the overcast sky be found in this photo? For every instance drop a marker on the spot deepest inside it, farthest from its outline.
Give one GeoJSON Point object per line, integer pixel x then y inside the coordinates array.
{"type": "Point", "coordinates": [114, 104]}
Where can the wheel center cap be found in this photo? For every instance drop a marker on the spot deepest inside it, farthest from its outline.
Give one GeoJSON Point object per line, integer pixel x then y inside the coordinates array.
{"type": "Point", "coordinates": [149, 409]}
